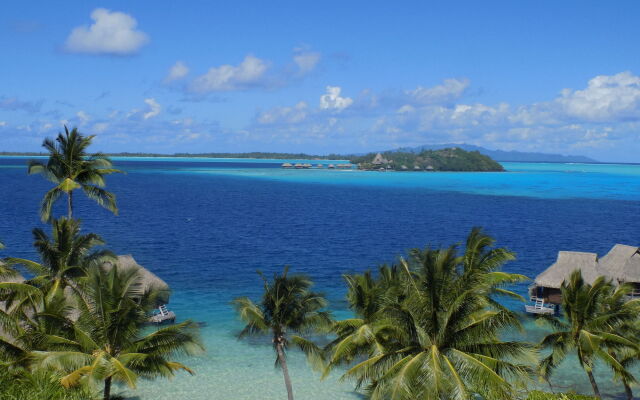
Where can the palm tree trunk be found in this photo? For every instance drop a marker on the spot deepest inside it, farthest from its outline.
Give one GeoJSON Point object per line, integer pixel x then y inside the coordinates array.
{"type": "Point", "coordinates": [107, 388]}
{"type": "Point", "coordinates": [70, 203]}
{"type": "Point", "coordinates": [285, 370]}
{"type": "Point", "coordinates": [594, 385]}
{"type": "Point", "coordinates": [627, 390]}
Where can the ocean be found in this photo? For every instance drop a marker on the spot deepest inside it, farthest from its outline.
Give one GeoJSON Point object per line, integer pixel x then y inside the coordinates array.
{"type": "Point", "coordinates": [207, 226]}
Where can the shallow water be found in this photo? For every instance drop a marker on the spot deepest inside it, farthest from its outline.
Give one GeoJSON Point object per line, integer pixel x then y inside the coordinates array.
{"type": "Point", "coordinates": [206, 226]}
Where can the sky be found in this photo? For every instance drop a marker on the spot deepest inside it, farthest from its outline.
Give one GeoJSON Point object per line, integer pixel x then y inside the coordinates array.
{"type": "Point", "coordinates": [323, 77]}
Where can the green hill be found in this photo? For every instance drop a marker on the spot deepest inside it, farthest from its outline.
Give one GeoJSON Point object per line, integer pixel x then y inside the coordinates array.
{"type": "Point", "coordinates": [450, 159]}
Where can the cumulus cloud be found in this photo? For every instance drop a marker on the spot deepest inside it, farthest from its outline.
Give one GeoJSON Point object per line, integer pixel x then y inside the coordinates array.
{"type": "Point", "coordinates": [111, 32]}
{"type": "Point", "coordinates": [248, 74]}
{"type": "Point", "coordinates": [154, 108]}
{"type": "Point", "coordinates": [178, 71]}
{"type": "Point", "coordinates": [333, 101]}
{"type": "Point", "coordinates": [605, 98]}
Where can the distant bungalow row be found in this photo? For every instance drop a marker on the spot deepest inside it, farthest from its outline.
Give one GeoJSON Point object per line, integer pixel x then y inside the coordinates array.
{"type": "Point", "coordinates": [621, 265]}
{"type": "Point", "coordinates": [379, 163]}
{"type": "Point", "coordinates": [318, 166]}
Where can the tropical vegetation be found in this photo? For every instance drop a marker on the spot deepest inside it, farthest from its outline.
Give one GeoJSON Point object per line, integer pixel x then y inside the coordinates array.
{"type": "Point", "coordinates": [288, 310]}
{"type": "Point", "coordinates": [450, 159]}
{"type": "Point", "coordinates": [430, 327]}
{"type": "Point", "coordinates": [77, 323]}
{"type": "Point", "coordinates": [595, 328]}
{"type": "Point", "coordinates": [70, 167]}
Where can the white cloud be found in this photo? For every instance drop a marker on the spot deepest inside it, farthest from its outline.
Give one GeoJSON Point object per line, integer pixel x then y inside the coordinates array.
{"type": "Point", "coordinates": [605, 98]}
{"type": "Point", "coordinates": [249, 73]}
{"type": "Point", "coordinates": [333, 101]}
{"type": "Point", "coordinates": [306, 60]}
{"type": "Point", "coordinates": [288, 115]}
{"type": "Point", "coordinates": [449, 91]}
{"type": "Point", "coordinates": [3, 123]}
{"type": "Point", "coordinates": [154, 108]}
{"type": "Point", "coordinates": [111, 33]}
{"type": "Point", "coordinates": [178, 71]}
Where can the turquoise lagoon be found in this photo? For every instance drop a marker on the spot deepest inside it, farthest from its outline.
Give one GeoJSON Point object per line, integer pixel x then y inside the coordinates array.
{"type": "Point", "coordinates": [206, 226]}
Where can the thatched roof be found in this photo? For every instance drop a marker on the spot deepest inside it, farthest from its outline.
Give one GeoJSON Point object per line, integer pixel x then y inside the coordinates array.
{"type": "Point", "coordinates": [567, 262]}
{"type": "Point", "coordinates": [149, 279]}
{"type": "Point", "coordinates": [379, 159]}
{"type": "Point", "coordinates": [622, 263]}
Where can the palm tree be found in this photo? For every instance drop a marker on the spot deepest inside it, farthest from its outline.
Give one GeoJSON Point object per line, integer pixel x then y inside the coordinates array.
{"type": "Point", "coordinates": [288, 306]}
{"type": "Point", "coordinates": [64, 256]}
{"type": "Point", "coordinates": [437, 335]}
{"type": "Point", "coordinates": [358, 336]}
{"type": "Point", "coordinates": [589, 328]}
{"type": "Point", "coordinates": [107, 343]}
{"type": "Point", "coordinates": [70, 167]}
{"type": "Point", "coordinates": [627, 357]}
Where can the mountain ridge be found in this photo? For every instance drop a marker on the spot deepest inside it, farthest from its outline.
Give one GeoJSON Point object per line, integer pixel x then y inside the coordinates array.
{"type": "Point", "coordinates": [502, 155]}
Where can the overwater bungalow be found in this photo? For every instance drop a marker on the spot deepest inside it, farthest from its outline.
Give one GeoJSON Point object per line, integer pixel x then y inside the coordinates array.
{"type": "Point", "coordinates": [621, 264]}
{"type": "Point", "coordinates": [547, 285]}
{"type": "Point", "coordinates": [299, 166]}
{"type": "Point", "coordinates": [149, 281]}
{"type": "Point", "coordinates": [287, 165]}
{"type": "Point", "coordinates": [331, 166]}
{"type": "Point", "coordinates": [319, 166]}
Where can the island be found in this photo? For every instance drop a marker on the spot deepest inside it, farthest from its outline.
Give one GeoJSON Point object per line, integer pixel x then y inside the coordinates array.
{"type": "Point", "coordinates": [449, 159]}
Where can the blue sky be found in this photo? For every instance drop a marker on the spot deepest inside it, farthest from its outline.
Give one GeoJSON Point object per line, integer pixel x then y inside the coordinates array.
{"type": "Point", "coordinates": [201, 76]}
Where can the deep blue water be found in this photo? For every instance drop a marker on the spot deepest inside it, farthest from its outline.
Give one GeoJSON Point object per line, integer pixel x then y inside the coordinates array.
{"type": "Point", "coordinates": [207, 233]}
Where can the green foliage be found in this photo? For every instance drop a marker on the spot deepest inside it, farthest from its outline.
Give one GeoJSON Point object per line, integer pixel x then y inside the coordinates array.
{"type": "Point", "coordinates": [107, 341]}
{"type": "Point", "coordinates": [596, 318]}
{"type": "Point", "coordinates": [429, 327]}
{"type": "Point", "coordinates": [538, 395]}
{"type": "Point", "coordinates": [288, 310]}
{"type": "Point", "coordinates": [22, 384]}
{"type": "Point", "coordinates": [70, 167]}
{"type": "Point", "coordinates": [453, 159]}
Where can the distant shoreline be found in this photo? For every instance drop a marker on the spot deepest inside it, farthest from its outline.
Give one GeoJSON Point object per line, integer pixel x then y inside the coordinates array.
{"type": "Point", "coordinates": [283, 156]}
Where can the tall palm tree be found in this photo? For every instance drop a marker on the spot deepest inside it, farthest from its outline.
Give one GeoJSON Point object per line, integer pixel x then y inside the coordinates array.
{"type": "Point", "coordinates": [437, 336]}
{"type": "Point", "coordinates": [64, 256]}
{"type": "Point", "coordinates": [589, 328]}
{"type": "Point", "coordinates": [70, 167]}
{"type": "Point", "coordinates": [107, 342]}
{"type": "Point", "coordinates": [288, 306]}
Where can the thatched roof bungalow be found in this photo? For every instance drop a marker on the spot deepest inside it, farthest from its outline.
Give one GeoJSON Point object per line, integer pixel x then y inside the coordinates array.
{"type": "Point", "coordinates": [621, 264]}
{"type": "Point", "coordinates": [149, 279]}
{"type": "Point", "coordinates": [379, 160]}
{"type": "Point", "coordinates": [287, 165]}
{"type": "Point", "coordinates": [547, 285]}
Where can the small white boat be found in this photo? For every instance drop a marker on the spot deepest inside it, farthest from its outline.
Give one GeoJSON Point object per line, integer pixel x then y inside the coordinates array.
{"type": "Point", "coordinates": [540, 308]}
